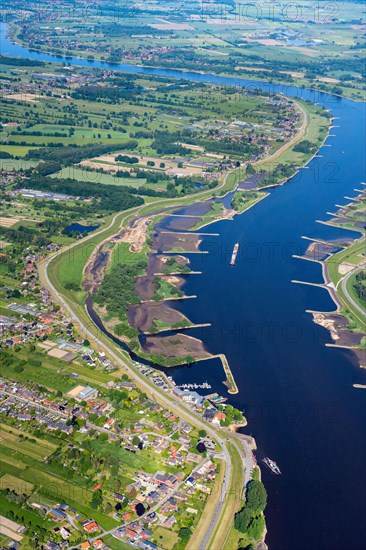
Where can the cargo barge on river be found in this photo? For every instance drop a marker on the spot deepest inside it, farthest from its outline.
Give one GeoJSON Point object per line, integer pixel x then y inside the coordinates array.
{"type": "Point", "coordinates": [234, 254]}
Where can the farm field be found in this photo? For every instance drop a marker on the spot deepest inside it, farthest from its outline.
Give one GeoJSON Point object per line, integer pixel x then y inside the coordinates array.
{"type": "Point", "coordinates": [320, 46]}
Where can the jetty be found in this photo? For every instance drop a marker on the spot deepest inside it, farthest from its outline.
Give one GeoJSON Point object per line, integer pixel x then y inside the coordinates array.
{"type": "Point", "coordinates": [189, 233]}
{"type": "Point", "coordinates": [230, 380]}
{"type": "Point", "coordinates": [170, 299]}
{"type": "Point", "coordinates": [177, 273]}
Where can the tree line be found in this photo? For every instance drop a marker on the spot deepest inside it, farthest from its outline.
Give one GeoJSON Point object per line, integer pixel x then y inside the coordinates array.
{"type": "Point", "coordinates": [250, 519]}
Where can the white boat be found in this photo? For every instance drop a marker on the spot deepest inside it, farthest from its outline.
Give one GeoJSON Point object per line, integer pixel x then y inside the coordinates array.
{"type": "Point", "coordinates": [272, 465]}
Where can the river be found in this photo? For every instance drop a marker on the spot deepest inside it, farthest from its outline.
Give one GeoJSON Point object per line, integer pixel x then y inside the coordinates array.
{"type": "Point", "coordinates": [296, 392]}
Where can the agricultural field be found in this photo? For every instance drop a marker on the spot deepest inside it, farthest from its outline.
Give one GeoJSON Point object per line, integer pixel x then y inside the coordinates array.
{"type": "Point", "coordinates": [321, 45]}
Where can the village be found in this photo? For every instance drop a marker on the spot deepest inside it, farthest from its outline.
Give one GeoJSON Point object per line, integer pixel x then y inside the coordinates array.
{"type": "Point", "coordinates": [150, 500]}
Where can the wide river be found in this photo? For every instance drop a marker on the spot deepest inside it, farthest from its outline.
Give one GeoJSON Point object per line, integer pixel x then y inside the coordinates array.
{"type": "Point", "coordinates": [296, 393]}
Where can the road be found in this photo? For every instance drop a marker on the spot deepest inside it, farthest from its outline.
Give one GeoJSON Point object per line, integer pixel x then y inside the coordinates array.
{"type": "Point", "coordinates": [347, 294]}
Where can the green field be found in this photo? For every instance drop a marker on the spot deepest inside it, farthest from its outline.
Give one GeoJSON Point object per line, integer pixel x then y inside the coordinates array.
{"type": "Point", "coordinates": [299, 44]}
{"type": "Point", "coordinates": [351, 255]}
{"type": "Point", "coordinates": [80, 174]}
{"type": "Point", "coordinates": [115, 544]}
{"type": "Point", "coordinates": [56, 489]}
{"type": "Point", "coordinates": [165, 537]}
{"type": "Point", "coordinates": [37, 448]}
{"type": "Point", "coordinates": [53, 373]}
{"type": "Point", "coordinates": [12, 483]}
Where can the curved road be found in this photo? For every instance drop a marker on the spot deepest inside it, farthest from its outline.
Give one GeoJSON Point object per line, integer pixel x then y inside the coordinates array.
{"type": "Point", "coordinates": [347, 294]}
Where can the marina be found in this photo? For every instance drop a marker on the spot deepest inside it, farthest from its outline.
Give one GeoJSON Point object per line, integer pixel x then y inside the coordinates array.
{"type": "Point", "coordinates": [204, 386]}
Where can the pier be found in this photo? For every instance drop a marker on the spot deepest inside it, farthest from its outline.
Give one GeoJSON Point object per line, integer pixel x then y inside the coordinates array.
{"type": "Point", "coordinates": [230, 380]}
{"type": "Point", "coordinates": [189, 233]}
{"type": "Point", "coordinates": [184, 251]}
{"type": "Point", "coordinates": [177, 273]}
{"type": "Point", "coordinates": [321, 241]}
{"type": "Point", "coordinates": [319, 285]}
{"type": "Point", "coordinates": [204, 386]}
{"type": "Point", "coordinates": [169, 299]}
{"type": "Point", "coordinates": [177, 329]}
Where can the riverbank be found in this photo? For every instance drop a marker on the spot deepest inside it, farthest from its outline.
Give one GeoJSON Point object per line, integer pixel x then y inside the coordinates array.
{"type": "Point", "coordinates": [262, 74]}
{"type": "Point", "coordinates": [341, 262]}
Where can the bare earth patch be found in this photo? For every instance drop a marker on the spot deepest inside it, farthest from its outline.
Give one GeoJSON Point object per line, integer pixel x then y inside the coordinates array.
{"type": "Point", "coordinates": [345, 268]}
{"type": "Point", "coordinates": [33, 98]}
{"type": "Point", "coordinates": [136, 234]}
{"type": "Point", "coordinates": [175, 347]}
{"type": "Point", "coordinates": [142, 316]}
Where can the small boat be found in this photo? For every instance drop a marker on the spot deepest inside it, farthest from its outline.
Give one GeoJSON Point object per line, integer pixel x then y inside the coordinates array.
{"type": "Point", "coordinates": [272, 465]}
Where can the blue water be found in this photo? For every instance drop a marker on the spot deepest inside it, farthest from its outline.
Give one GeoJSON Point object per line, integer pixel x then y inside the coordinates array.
{"type": "Point", "coordinates": [296, 392]}
{"type": "Point", "coordinates": [81, 228]}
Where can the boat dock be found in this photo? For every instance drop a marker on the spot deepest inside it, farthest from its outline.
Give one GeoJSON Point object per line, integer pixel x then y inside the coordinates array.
{"type": "Point", "coordinates": [215, 398]}
{"type": "Point", "coordinates": [204, 386]}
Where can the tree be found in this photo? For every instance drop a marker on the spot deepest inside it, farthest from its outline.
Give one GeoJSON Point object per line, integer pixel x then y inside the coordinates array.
{"type": "Point", "coordinates": [256, 527]}
{"type": "Point", "coordinates": [185, 533]}
{"type": "Point", "coordinates": [135, 440]}
{"type": "Point", "coordinates": [256, 496]}
{"type": "Point", "coordinates": [202, 433]}
{"type": "Point", "coordinates": [97, 499]}
{"type": "Point", "coordinates": [242, 519]}
{"type": "Point", "coordinates": [86, 343]}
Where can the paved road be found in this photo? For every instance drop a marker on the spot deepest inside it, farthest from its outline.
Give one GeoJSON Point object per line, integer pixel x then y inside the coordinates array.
{"type": "Point", "coordinates": [347, 294]}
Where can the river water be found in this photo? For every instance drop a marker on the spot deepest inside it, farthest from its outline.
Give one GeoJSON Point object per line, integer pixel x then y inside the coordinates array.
{"type": "Point", "coordinates": [296, 393]}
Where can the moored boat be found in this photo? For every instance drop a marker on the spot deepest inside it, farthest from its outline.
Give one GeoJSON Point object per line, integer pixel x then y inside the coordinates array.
{"type": "Point", "coordinates": [272, 465]}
